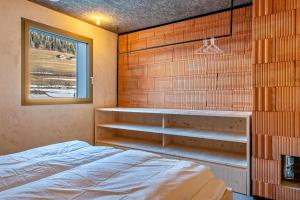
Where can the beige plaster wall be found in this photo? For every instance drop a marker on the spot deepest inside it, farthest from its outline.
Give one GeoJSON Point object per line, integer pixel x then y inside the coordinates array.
{"type": "Point", "coordinates": [24, 127]}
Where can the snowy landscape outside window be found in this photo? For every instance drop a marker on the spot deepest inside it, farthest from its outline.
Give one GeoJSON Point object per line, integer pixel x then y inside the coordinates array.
{"type": "Point", "coordinates": [56, 65]}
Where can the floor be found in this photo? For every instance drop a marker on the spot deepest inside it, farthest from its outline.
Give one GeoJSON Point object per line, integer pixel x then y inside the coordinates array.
{"type": "Point", "coordinates": [238, 196]}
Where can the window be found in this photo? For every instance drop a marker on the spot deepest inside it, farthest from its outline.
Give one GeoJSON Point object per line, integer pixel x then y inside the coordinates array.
{"type": "Point", "coordinates": [56, 65]}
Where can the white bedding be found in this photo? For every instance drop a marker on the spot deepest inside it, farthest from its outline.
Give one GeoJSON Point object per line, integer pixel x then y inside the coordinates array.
{"type": "Point", "coordinates": [85, 172]}
{"type": "Point", "coordinates": [49, 150]}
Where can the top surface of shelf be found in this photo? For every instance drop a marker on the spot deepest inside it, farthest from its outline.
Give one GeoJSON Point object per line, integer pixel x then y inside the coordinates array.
{"type": "Point", "coordinates": [179, 112]}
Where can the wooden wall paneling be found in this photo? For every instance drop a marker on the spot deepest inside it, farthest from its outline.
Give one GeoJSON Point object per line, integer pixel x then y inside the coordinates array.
{"type": "Point", "coordinates": [268, 7]}
{"type": "Point", "coordinates": [123, 43]}
{"type": "Point", "coordinates": [268, 50]}
{"type": "Point", "coordinates": [276, 77]}
{"type": "Point", "coordinates": [200, 81]}
{"type": "Point", "coordinates": [297, 21]}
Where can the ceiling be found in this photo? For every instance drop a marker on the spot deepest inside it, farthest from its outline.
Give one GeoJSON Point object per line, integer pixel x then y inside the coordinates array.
{"type": "Point", "coordinates": [128, 15]}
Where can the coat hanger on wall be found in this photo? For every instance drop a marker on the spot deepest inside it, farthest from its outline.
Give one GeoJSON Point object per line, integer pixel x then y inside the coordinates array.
{"type": "Point", "coordinates": [209, 47]}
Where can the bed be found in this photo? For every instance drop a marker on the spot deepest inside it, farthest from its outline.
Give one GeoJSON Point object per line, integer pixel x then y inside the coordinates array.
{"type": "Point", "coordinates": [77, 170]}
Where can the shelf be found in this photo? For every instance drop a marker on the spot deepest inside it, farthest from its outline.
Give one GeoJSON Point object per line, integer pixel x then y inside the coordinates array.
{"type": "Point", "coordinates": [186, 132]}
{"type": "Point", "coordinates": [179, 112]}
{"type": "Point", "coordinates": [207, 155]}
{"type": "Point", "coordinates": [219, 139]}
{"type": "Point", "coordinates": [132, 143]}
{"type": "Point", "coordinates": [291, 184]}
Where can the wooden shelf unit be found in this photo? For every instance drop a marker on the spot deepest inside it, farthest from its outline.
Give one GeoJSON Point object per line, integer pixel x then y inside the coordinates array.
{"type": "Point", "coordinates": [218, 139]}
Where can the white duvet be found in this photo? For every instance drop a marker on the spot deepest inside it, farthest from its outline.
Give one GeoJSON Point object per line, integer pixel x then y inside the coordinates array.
{"type": "Point", "coordinates": [77, 170]}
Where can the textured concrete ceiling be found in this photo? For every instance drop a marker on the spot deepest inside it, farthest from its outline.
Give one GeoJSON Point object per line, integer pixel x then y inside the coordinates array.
{"type": "Point", "coordinates": [129, 15]}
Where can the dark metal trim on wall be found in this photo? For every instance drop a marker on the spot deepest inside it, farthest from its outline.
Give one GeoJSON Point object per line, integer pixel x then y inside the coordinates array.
{"type": "Point", "coordinates": [202, 15]}
{"type": "Point", "coordinates": [195, 40]}
{"type": "Point", "coordinates": [211, 13]}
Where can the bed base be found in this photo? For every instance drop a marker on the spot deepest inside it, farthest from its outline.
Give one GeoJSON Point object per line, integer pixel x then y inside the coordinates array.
{"type": "Point", "coordinates": [227, 194]}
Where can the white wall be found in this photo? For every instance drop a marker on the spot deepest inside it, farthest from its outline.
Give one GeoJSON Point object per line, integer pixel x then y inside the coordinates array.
{"type": "Point", "coordinates": [24, 127]}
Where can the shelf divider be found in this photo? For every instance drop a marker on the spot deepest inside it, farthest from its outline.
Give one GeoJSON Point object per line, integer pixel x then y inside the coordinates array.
{"type": "Point", "coordinates": [186, 132]}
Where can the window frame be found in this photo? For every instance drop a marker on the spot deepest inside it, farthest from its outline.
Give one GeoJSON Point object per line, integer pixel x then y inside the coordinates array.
{"type": "Point", "coordinates": [25, 73]}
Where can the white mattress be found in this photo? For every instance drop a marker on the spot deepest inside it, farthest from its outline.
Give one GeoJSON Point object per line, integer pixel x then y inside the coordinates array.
{"type": "Point", "coordinates": [76, 170]}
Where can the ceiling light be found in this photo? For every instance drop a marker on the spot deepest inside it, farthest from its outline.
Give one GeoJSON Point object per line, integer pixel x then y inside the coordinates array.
{"type": "Point", "coordinates": [98, 21]}
{"type": "Point", "coordinates": [54, 0]}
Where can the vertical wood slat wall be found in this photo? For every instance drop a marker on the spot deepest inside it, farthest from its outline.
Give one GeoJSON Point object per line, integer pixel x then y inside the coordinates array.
{"type": "Point", "coordinates": [276, 119]}
{"type": "Point", "coordinates": [174, 77]}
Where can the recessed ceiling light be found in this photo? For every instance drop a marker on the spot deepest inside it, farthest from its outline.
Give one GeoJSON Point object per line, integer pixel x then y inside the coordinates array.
{"type": "Point", "coordinates": [54, 0]}
{"type": "Point", "coordinates": [98, 21]}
